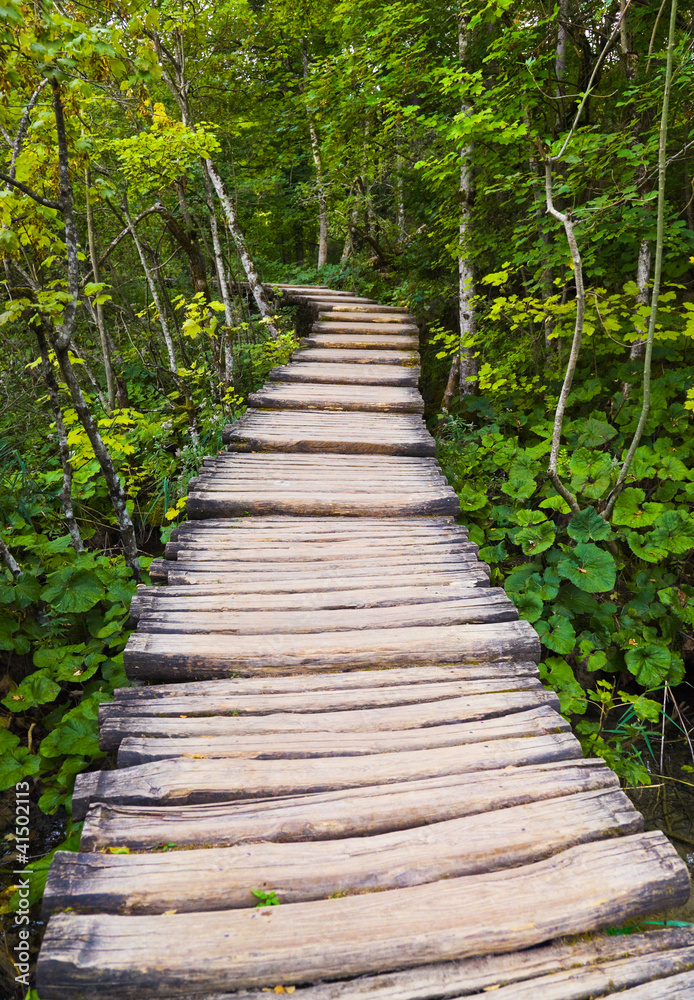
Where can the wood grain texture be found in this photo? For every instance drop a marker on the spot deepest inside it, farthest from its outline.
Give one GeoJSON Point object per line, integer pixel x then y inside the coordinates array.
{"type": "Point", "coordinates": [117, 722]}
{"type": "Point", "coordinates": [157, 657]}
{"type": "Point", "coordinates": [345, 374]}
{"type": "Point", "coordinates": [357, 356]}
{"type": "Point", "coordinates": [254, 501]}
{"type": "Point", "coordinates": [648, 955]}
{"type": "Point", "coordinates": [224, 878]}
{"type": "Point", "coordinates": [307, 396]}
{"type": "Point", "coordinates": [590, 885]}
{"type": "Point", "coordinates": [294, 746]}
{"type": "Point", "coordinates": [183, 780]}
{"type": "Point", "coordinates": [352, 812]}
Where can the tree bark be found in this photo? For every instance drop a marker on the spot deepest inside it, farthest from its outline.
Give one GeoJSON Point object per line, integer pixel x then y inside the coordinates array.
{"type": "Point", "coordinates": [230, 317]}
{"type": "Point", "coordinates": [466, 278]}
{"type": "Point", "coordinates": [10, 561]}
{"type": "Point", "coordinates": [99, 310]}
{"type": "Point", "coordinates": [320, 178]}
{"type": "Point", "coordinates": [63, 447]}
{"type": "Point", "coordinates": [242, 249]}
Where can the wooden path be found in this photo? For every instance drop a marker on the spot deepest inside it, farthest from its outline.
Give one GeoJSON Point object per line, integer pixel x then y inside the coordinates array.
{"type": "Point", "coordinates": [344, 713]}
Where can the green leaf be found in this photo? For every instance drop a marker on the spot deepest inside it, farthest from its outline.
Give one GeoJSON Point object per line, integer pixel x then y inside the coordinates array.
{"type": "Point", "coordinates": [588, 526]}
{"type": "Point", "coordinates": [80, 593]}
{"type": "Point", "coordinates": [680, 600]}
{"type": "Point", "coordinates": [649, 664]}
{"type": "Point", "coordinates": [529, 605]}
{"type": "Point", "coordinates": [589, 568]}
{"type": "Point", "coordinates": [37, 689]}
{"type": "Point", "coordinates": [644, 547]}
{"type": "Point", "coordinates": [673, 531]}
{"type": "Point", "coordinates": [557, 634]}
{"type": "Point", "coordinates": [536, 538]}
{"type": "Point", "coordinates": [520, 486]}
{"type": "Point", "coordinates": [591, 472]}
{"type": "Point", "coordinates": [633, 512]}
{"type": "Point", "coordinates": [595, 432]}
{"type": "Point", "coordinates": [557, 673]}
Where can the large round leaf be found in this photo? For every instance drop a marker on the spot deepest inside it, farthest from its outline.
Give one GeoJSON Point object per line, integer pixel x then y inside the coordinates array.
{"type": "Point", "coordinates": [633, 512]}
{"type": "Point", "coordinates": [536, 537]}
{"type": "Point", "coordinates": [589, 568]}
{"type": "Point", "coordinates": [529, 605]}
{"type": "Point", "coordinates": [80, 592]}
{"type": "Point", "coordinates": [588, 526]}
{"type": "Point", "coordinates": [649, 664]}
{"type": "Point", "coordinates": [557, 634]}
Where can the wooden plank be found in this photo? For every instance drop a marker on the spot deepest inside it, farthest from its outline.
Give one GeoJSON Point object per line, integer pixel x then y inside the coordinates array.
{"type": "Point", "coordinates": [474, 574]}
{"type": "Point", "coordinates": [117, 723]}
{"type": "Point", "coordinates": [147, 599]}
{"type": "Point", "coordinates": [648, 956]}
{"type": "Point", "coordinates": [300, 547]}
{"type": "Point", "coordinates": [228, 698]}
{"type": "Point", "coordinates": [345, 374]}
{"type": "Point", "coordinates": [396, 554]}
{"type": "Point", "coordinates": [581, 889]}
{"type": "Point", "coordinates": [295, 746]}
{"type": "Point", "coordinates": [184, 780]}
{"type": "Point", "coordinates": [488, 607]}
{"type": "Point", "coordinates": [363, 341]}
{"type": "Point", "coordinates": [357, 679]}
{"type": "Point", "coordinates": [226, 560]}
{"type": "Point", "coordinates": [680, 987]}
{"type": "Point", "coordinates": [357, 356]}
{"type": "Point", "coordinates": [359, 308]}
{"type": "Point", "coordinates": [155, 657]}
{"type": "Point", "coordinates": [339, 324]}
{"type": "Point", "coordinates": [353, 812]}
{"type": "Point", "coordinates": [306, 396]}
{"type": "Point", "coordinates": [219, 504]}
{"type": "Point", "coordinates": [224, 878]}
{"type": "Point", "coordinates": [364, 314]}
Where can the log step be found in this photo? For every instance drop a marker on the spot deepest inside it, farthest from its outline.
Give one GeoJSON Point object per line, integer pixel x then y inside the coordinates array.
{"type": "Point", "coordinates": [387, 399]}
{"type": "Point", "coordinates": [345, 374]}
{"type": "Point", "coordinates": [594, 884]}
{"type": "Point", "coordinates": [355, 356]}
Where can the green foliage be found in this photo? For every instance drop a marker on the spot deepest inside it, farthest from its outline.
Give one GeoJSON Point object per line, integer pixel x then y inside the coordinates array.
{"type": "Point", "coordinates": [610, 601]}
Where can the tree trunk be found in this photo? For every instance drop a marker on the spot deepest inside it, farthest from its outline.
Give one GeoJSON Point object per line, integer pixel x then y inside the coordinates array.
{"type": "Point", "coordinates": [99, 309]}
{"type": "Point", "coordinates": [466, 278]}
{"type": "Point", "coordinates": [230, 317]}
{"type": "Point", "coordinates": [63, 448]}
{"type": "Point", "coordinates": [247, 261]}
{"type": "Point", "coordinates": [320, 179]}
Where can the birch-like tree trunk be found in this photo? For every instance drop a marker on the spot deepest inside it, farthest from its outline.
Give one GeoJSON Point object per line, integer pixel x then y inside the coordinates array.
{"type": "Point", "coordinates": [321, 192]}
{"type": "Point", "coordinates": [99, 309]}
{"type": "Point", "coordinates": [230, 318]}
{"type": "Point", "coordinates": [63, 447]}
{"type": "Point", "coordinates": [239, 239]}
{"type": "Point", "coordinates": [466, 278]}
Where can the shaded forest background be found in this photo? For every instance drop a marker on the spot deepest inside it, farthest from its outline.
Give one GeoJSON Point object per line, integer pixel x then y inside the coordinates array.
{"type": "Point", "coordinates": [518, 175]}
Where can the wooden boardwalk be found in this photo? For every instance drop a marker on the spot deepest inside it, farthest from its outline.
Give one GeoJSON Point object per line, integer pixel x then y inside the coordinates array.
{"type": "Point", "coordinates": [344, 713]}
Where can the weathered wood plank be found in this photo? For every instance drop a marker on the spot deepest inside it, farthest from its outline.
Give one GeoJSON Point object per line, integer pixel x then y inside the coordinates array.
{"type": "Point", "coordinates": [146, 599]}
{"type": "Point", "coordinates": [345, 374]}
{"type": "Point", "coordinates": [680, 987]}
{"type": "Point", "coordinates": [183, 780]}
{"type": "Point", "coordinates": [536, 722]}
{"type": "Point", "coordinates": [581, 889]}
{"type": "Point", "coordinates": [315, 548]}
{"type": "Point", "coordinates": [225, 697]}
{"type": "Point", "coordinates": [339, 324]}
{"type": "Point", "coordinates": [363, 341]}
{"type": "Point", "coordinates": [648, 956]}
{"type": "Point", "coordinates": [155, 657]}
{"type": "Point", "coordinates": [356, 356]}
{"type": "Point", "coordinates": [306, 396]}
{"type": "Point", "coordinates": [224, 878]}
{"type": "Point", "coordinates": [253, 501]}
{"type": "Point", "coordinates": [117, 723]}
{"type": "Point", "coordinates": [356, 679]}
{"type": "Point", "coordinates": [474, 574]}
{"type": "Point", "coordinates": [353, 812]}
{"type": "Point", "coordinates": [488, 607]}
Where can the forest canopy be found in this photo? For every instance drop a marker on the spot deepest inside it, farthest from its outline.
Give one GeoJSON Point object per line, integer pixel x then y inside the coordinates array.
{"type": "Point", "coordinates": [519, 175]}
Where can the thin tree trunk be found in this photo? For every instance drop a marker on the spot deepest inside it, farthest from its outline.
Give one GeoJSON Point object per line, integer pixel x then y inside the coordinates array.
{"type": "Point", "coordinates": [99, 310]}
{"type": "Point", "coordinates": [643, 274]}
{"type": "Point", "coordinates": [320, 179]}
{"type": "Point", "coordinates": [466, 278]}
{"type": "Point", "coordinates": [242, 249]}
{"type": "Point", "coordinates": [10, 561]}
{"type": "Point", "coordinates": [63, 447]}
{"type": "Point", "coordinates": [230, 318]}
{"type": "Point", "coordinates": [451, 384]}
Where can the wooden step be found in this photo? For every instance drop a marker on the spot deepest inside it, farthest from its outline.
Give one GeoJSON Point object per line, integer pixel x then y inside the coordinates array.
{"type": "Point", "coordinates": [351, 341]}
{"type": "Point", "coordinates": [299, 430]}
{"type": "Point", "coordinates": [155, 657]}
{"type": "Point", "coordinates": [353, 812]}
{"type": "Point", "coordinates": [589, 885]}
{"type": "Point", "coordinates": [224, 878]}
{"type": "Point", "coordinates": [355, 356]}
{"type": "Point", "coordinates": [345, 374]}
{"type": "Point", "coordinates": [340, 324]}
{"type": "Point", "coordinates": [386, 399]}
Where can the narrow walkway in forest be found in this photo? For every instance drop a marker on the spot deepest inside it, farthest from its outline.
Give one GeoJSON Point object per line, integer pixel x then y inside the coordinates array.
{"type": "Point", "coordinates": [349, 720]}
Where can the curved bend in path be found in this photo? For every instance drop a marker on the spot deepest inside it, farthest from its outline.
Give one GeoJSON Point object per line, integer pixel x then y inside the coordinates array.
{"type": "Point", "coordinates": [341, 714]}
